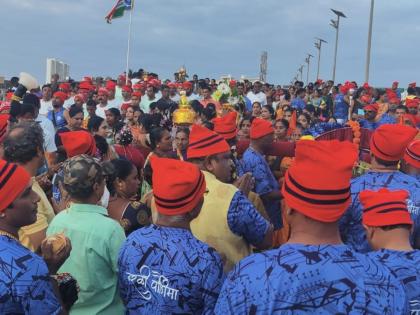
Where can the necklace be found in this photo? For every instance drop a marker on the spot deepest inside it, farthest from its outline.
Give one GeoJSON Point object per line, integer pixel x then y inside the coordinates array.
{"type": "Point", "coordinates": [8, 235]}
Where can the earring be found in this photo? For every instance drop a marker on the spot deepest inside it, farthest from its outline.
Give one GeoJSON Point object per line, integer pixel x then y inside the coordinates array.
{"type": "Point", "coordinates": [2, 215]}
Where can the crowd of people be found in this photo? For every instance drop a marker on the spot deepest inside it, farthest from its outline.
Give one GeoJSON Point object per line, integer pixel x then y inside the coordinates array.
{"type": "Point", "coordinates": [142, 196]}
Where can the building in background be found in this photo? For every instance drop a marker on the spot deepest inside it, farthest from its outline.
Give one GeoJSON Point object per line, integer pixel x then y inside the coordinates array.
{"type": "Point", "coordinates": [55, 66]}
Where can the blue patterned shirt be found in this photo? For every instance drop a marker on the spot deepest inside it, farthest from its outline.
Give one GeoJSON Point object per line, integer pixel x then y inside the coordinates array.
{"type": "Point", "coordinates": [305, 279]}
{"type": "Point", "coordinates": [265, 182]}
{"type": "Point", "coordinates": [372, 125]}
{"type": "Point", "coordinates": [351, 228]}
{"type": "Point", "coordinates": [244, 220]}
{"type": "Point", "coordinates": [406, 267]}
{"type": "Point", "coordinates": [341, 109]}
{"type": "Point", "coordinates": [25, 286]}
{"type": "Point", "coordinates": [298, 103]}
{"type": "Point", "coordinates": [165, 270]}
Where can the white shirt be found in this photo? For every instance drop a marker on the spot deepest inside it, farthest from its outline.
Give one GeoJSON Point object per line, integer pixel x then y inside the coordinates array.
{"type": "Point", "coordinates": [193, 97]}
{"type": "Point", "coordinates": [67, 103]}
{"type": "Point", "coordinates": [259, 97]}
{"type": "Point", "coordinates": [49, 133]}
{"type": "Point", "coordinates": [46, 106]}
{"type": "Point", "coordinates": [113, 103]}
{"type": "Point", "coordinates": [175, 98]}
{"type": "Point", "coordinates": [118, 94]}
{"type": "Point", "coordinates": [100, 111]}
{"type": "Point", "coordinates": [145, 103]}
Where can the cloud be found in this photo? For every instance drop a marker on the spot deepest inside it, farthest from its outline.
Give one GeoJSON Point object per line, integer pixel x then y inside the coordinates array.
{"type": "Point", "coordinates": [211, 38]}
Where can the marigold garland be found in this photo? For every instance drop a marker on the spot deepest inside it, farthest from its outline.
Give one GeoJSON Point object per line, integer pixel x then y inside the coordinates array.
{"type": "Point", "coordinates": [355, 127]}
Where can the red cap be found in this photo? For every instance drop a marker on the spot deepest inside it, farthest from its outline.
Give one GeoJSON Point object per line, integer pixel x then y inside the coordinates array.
{"type": "Point", "coordinates": [394, 100]}
{"type": "Point", "coordinates": [204, 142]}
{"type": "Point", "coordinates": [395, 83]}
{"type": "Point", "coordinates": [14, 180]}
{"type": "Point", "coordinates": [412, 84]}
{"type": "Point", "coordinates": [260, 128]}
{"type": "Point", "coordinates": [126, 88]}
{"type": "Point", "coordinates": [317, 184]}
{"type": "Point", "coordinates": [64, 86]}
{"type": "Point", "coordinates": [232, 83]}
{"type": "Point", "coordinates": [226, 125]}
{"type": "Point", "coordinates": [412, 154]}
{"type": "Point", "coordinates": [60, 95]}
{"type": "Point", "coordinates": [366, 86]}
{"type": "Point", "coordinates": [137, 86]}
{"type": "Point", "coordinates": [86, 85]}
{"type": "Point", "coordinates": [103, 91]}
{"type": "Point", "coordinates": [78, 142]}
{"type": "Point", "coordinates": [346, 87]}
{"type": "Point", "coordinates": [110, 85]}
{"type": "Point", "coordinates": [187, 85]}
{"type": "Point", "coordinates": [178, 186]}
{"type": "Point", "coordinates": [373, 107]}
{"type": "Point", "coordinates": [154, 82]}
{"type": "Point", "coordinates": [389, 141]}
{"type": "Point", "coordinates": [87, 78]}
{"type": "Point", "coordinates": [385, 207]}
{"type": "Point", "coordinates": [412, 103]}
{"type": "Point", "coordinates": [4, 122]}
{"type": "Point", "coordinates": [125, 106]}
{"type": "Point", "coordinates": [138, 94]}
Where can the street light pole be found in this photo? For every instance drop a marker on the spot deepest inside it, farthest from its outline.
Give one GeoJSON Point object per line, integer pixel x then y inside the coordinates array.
{"type": "Point", "coordinates": [318, 46]}
{"type": "Point", "coordinates": [336, 25]}
{"type": "Point", "coordinates": [301, 72]}
{"type": "Point", "coordinates": [369, 42]}
{"type": "Point", "coordinates": [308, 60]}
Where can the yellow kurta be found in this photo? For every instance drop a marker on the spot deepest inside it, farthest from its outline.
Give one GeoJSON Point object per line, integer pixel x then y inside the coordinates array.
{"type": "Point", "coordinates": [44, 216]}
{"type": "Point", "coordinates": [211, 226]}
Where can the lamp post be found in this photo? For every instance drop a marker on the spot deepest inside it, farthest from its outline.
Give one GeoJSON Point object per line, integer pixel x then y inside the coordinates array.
{"type": "Point", "coordinates": [369, 42]}
{"type": "Point", "coordinates": [318, 46]}
{"type": "Point", "coordinates": [336, 25]}
{"type": "Point", "coordinates": [308, 60]}
{"type": "Point", "coordinates": [301, 72]}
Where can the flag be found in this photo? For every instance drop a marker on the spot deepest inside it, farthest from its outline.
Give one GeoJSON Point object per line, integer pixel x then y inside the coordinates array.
{"type": "Point", "coordinates": [118, 10]}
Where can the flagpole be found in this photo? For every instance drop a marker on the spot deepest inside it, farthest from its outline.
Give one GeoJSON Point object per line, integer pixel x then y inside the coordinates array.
{"type": "Point", "coordinates": [128, 43]}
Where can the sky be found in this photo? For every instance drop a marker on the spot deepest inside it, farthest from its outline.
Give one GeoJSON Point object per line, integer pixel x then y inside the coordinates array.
{"type": "Point", "coordinates": [212, 38]}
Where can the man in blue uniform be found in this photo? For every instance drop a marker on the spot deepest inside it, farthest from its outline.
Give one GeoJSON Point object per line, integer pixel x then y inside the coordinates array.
{"type": "Point", "coordinates": [313, 273]}
{"type": "Point", "coordinates": [387, 146]}
{"type": "Point", "coordinates": [410, 164]}
{"type": "Point", "coordinates": [253, 162]}
{"type": "Point", "coordinates": [343, 101]}
{"type": "Point", "coordinates": [387, 224]}
{"type": "Point", "coordinates": [163, 268]}
{"type": "Point", "coordinates": [370, 122]}
{"type": "Point", "coordinates": [298, 103]}
{"type": "Point", "coordinates": [25, 283]}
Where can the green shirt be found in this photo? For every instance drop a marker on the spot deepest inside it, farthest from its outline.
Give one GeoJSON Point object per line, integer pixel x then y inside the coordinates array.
{"type": "Point", "coordinates": [95, 240]}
